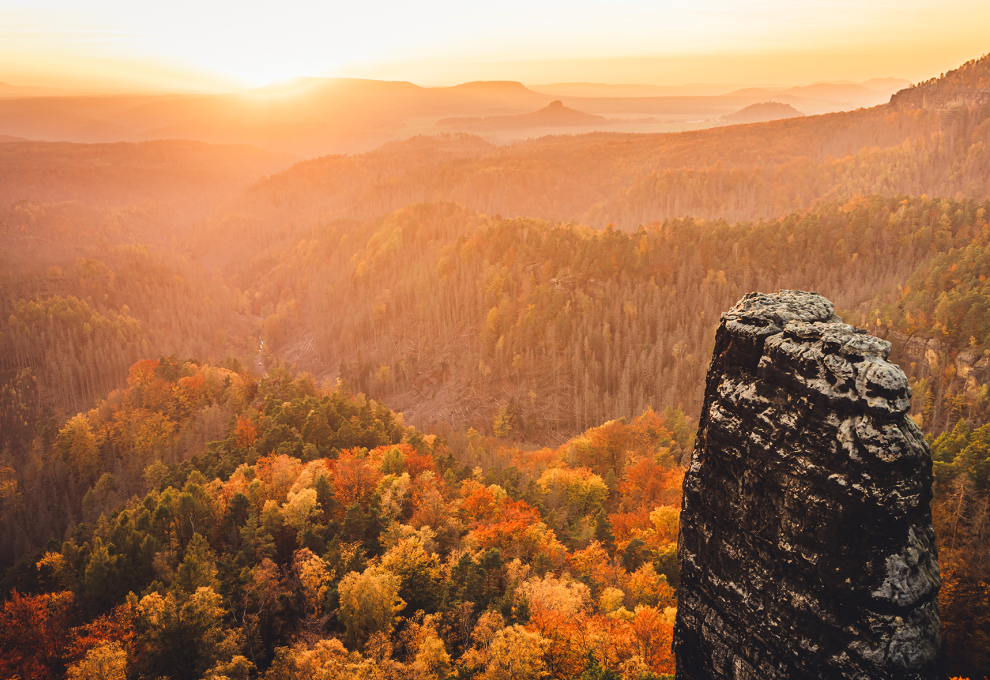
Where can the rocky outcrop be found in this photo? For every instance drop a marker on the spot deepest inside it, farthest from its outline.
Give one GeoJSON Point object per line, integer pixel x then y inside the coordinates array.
{"type": "Point", "coordinates": [938, 98]}
{"type": "Point", "coordinates": [807, 548]}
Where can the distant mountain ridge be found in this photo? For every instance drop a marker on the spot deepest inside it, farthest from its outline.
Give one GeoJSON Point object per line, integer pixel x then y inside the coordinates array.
{"type": "Point", "coordinates": [847, 89]}
{"type": "Point", "coordinates": [310, 117]}
{"type": "Point", "coordinates": [8, 90]}
{"type": "Point", "coordinates": [820, 94]}
{"type": "Point", "coordinates": [633, 90]}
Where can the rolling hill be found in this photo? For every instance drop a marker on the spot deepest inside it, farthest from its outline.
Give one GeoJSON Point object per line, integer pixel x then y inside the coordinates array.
{"type": "Point", "coordinates": [555, 114]}
{"type": "Point", "coordinates": [762, 113]}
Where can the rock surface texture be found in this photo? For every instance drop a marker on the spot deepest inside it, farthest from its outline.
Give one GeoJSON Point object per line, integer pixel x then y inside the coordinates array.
{"type": "Point", "coordinates": [807, 548]}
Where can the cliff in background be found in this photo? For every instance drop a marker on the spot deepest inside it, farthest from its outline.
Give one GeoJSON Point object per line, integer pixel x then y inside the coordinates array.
{"type": "Point", "coordinates": [966, 86]}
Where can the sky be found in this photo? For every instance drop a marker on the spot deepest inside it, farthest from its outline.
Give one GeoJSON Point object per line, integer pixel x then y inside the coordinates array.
{"type": "Point", "coordinates": [185, 45]}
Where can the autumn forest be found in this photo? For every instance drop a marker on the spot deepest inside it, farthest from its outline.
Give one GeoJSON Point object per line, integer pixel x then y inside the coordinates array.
{"type": "Point", "coordinates": [425, 411]}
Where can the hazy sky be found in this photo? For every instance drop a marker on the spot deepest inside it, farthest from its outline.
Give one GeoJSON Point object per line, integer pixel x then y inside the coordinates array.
{"type": "Point", "coordinates": [192, 44]}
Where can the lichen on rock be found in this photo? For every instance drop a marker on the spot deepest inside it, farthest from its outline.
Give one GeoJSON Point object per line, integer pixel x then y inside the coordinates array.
{"type": "Point", "coordinates": [807, 548]}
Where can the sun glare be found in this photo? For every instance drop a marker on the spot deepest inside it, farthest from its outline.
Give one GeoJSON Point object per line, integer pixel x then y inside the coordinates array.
{"type": "Point", "coordinates": [253, 44]}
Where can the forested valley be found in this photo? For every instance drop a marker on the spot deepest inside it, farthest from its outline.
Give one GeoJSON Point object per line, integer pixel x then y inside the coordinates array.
{"type": "Point", "coordinates": [424, 412]}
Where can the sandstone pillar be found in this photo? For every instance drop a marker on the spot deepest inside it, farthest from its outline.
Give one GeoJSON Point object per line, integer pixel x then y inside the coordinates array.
{"type": "Point", "coordinates": [807, 548]}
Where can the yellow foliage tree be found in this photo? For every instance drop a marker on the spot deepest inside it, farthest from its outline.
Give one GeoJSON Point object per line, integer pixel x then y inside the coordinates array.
{"type": "Point", "coordinates": [106, 662]}
{"type": "Point", "coordinates": [314, 575]}
{"type": "Point", "coordinates": [77, 445]}
{"type": "Point", "coordinates": [515, 654]}
{"type": "Point", "coordinates": [368, 604]}
{"type": "Point", "coordinates": [297, 508]}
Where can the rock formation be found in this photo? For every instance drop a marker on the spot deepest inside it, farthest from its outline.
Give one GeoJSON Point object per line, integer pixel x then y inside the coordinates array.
{"type": "Point", "coordinates": [807, 548]}
{"type": "Point", "coordinates": [554, 114]}
{"type": "Point", "coordinates": [762, 113]}
{"type": "Point", "coordinates": [938, 98]}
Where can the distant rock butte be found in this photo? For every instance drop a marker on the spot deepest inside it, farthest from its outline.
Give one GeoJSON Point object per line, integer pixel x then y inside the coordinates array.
{"type": "Point", "coordinates": [807, 548]}
{"type": "Point", "coordinates": [762, 113]}
{"type": "Point", "coordinates": [553, 115]}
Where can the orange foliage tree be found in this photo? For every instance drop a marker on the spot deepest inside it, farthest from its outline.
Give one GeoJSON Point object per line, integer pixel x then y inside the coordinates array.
{"type": "Point", "coordinates": [36, 639]}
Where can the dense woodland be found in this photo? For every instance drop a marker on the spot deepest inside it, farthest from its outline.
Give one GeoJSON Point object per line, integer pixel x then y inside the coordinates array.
{"type": "Point", "coordinates": [318, 514]}
{"type": "Point", "coordinates": [396, 414]}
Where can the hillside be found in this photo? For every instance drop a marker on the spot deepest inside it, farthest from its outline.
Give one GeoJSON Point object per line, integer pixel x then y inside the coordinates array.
{"type": "Point", "coordinates": [454, 316]}
{"type": "Point", "coordinates": [89, 280]}
{"type": "Point", "coordinates": [193, 176]}
{"type": "Point", "coordinates": [739, 173]}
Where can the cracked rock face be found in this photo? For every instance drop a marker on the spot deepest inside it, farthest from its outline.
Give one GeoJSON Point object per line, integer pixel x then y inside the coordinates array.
{"type": "Point", "coordinates": [807, 548]}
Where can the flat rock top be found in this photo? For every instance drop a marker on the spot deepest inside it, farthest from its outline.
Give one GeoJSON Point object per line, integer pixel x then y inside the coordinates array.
{"type": "Point", "coordinates": [802, 316]}
{"type": "Point", "coordinates": [800, 339]}
{"type": "Point", "coordinates": [779, 308]}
